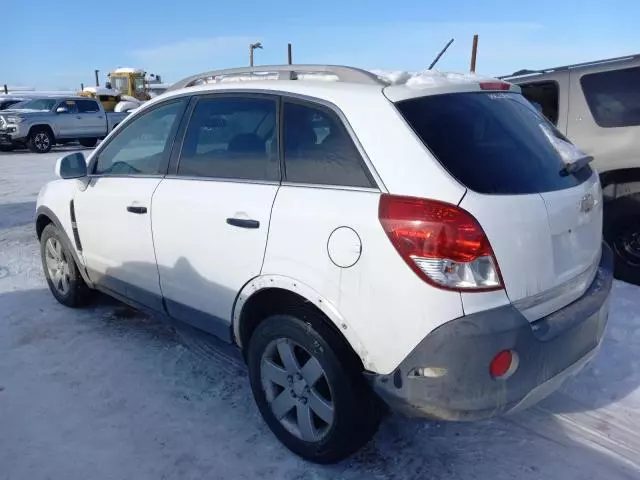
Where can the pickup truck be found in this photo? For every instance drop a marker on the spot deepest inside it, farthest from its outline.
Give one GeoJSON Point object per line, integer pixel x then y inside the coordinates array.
{"type": "Point", "coordinates": [41, 123]}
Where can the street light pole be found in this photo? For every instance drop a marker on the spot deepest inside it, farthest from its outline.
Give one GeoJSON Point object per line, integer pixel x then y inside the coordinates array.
{"type": "Point", "coordinates": [252, 47]}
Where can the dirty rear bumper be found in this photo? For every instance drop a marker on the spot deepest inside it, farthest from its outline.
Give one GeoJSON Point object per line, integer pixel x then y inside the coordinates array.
{"type": "Point", "coordinates": [458, 385]}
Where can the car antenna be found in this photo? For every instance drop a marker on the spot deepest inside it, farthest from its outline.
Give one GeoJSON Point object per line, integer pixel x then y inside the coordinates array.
{"type": "Point", "coordinates": [440, 54]}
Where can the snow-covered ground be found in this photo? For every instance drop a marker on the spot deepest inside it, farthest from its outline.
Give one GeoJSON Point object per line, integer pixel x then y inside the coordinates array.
{"type": "Point", "coordinates": [107, 393]}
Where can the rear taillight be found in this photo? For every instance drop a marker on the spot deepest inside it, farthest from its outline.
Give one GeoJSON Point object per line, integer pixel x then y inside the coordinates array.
{"type": "Point", "coordinates": [442, 243]}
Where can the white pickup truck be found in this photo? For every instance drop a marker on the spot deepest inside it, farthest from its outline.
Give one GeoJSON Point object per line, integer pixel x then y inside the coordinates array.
{"type": "Point", "coordinates": [41, 123]}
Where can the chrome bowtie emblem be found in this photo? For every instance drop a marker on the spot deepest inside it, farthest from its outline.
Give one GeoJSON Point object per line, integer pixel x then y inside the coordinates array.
{"type": "Point", "coordinates": [587, 203]}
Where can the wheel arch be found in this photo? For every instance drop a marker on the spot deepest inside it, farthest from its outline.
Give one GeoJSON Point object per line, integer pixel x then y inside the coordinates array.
{"type": "Point", "coordinates": [44, 217]}
{"type": "Point", "coordinates": [270, 294]}
{"type": "Point", "coordinates": [43, 126]}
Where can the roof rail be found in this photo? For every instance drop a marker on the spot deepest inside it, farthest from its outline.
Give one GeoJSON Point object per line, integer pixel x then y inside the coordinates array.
{"type": "Point", "coordinates": [525, 72]}
{"type": "Point", "coordinates": [283, 72]}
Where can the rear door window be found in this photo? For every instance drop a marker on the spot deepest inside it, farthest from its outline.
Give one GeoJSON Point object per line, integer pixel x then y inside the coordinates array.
{"type": "Point", "coordinates": [613, 97]}
{"type": "Point", "coordinates": [493, 143]}
{"type": "Point", "coordinates": [88, 106]}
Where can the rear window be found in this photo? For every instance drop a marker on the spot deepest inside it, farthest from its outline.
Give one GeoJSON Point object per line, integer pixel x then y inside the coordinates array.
{"type": "Point", "coordinates": [493, 143]}
{"type": "Point", "coordinates": [614, 97]}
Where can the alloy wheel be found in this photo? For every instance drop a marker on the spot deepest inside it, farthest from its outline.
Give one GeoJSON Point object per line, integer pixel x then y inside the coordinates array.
{"type": "Point", "coordinates": [42, 141]}
{"type": "Point", "coordinates": [297, 390]}
{"type": "Point", "coordinates": [57, 266]}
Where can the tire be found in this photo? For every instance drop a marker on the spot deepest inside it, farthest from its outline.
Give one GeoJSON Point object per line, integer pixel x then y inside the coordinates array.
{"type": "Point", "coordinates": [70, 289]}
{"type": "Point", "coordinates": [622, 233]}
{"type": "Point", "coordinates": [40, 140]}
{"type": "Point", "coordinates": [88, 142]}
{"type": "Point", "coordinates": [349, 413]}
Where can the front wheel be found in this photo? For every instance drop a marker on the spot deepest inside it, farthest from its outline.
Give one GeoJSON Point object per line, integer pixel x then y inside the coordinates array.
{"type": "Point", "coordinates": [622, 232]}
{"type": "Point", "coordinates": [309, 390]}
{"type": "Point", "coordinates": [60, 270]}
{"type": "Point", "coordinates": [40, 141]}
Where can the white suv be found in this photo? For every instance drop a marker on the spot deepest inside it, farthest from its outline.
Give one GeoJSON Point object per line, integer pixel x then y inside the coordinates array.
{"type": "Point", "coordinates": [432, 242]}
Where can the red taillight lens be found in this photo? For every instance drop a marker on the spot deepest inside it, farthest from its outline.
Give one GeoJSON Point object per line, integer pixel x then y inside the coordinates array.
{"type": "Point", "coordinates": [442, 243]}
{"type": "Point", "coordinates": [495, 86]}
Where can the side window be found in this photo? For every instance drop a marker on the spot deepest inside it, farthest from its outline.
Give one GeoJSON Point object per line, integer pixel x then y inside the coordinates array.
{"type": "Point", "coordinates": [319, 150]}
{"type": "Point", "coordinates": [70, 106]}
{"type": "Point", "coordinates": [143, 145]}
{"type": "Point", "coordinates": [614, 97]}
{"type": "Point", "coordinates": [545, 97]}
{"type": "Point", "coordinates": [231, 137]}
{"type": "Point", "coordinates": [88, 106]}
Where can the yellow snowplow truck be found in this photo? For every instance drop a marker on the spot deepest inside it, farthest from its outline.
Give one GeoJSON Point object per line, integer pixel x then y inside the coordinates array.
{"type": "Point", "coordinates": [130, 82]}
{"type": "Point", "coordinates": [125, 90]}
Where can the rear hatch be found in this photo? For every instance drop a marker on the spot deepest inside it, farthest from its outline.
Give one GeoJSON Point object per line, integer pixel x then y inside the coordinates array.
{"type": "Point", "coordinates": [543, 222]}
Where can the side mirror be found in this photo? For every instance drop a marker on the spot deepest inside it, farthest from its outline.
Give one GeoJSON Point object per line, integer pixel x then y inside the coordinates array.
{"type": "Point", "coordinates": [73, 165]}
{"type": "Point", "coordinates": [62, 109]}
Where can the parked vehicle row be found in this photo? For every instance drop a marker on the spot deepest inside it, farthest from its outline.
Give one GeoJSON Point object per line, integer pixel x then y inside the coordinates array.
{"type": "Point", "coordinates": [40, 123]}
{"type": "Point", "coordinates": [344, 238]}
{"type": "Point", "coordinates": [597, 105]}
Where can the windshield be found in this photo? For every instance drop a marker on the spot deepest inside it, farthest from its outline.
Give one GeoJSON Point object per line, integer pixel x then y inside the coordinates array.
{"type": "Point", "coordinates": [120, 83]}
{"type": "Point", "coordinates": [493, 143]}
{"type": "Point", "coordinates": [139, 84]}
{"type": "Point", "coordinates": [42, 104]}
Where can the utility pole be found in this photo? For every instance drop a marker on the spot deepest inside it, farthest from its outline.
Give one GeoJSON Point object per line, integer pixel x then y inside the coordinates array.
{"type": "Point", "coordinates": [252, 47]}
{"type": "Point", "coordinates": [6, 89]}
{"type": "Point", "coordinates": [82, 87]}
{"type": "Point", "coordinates": [289, 55]}
{"type": "Point", "coordinates": [97, 78]}
{"type": "Point", "coordinates": [474, 53]}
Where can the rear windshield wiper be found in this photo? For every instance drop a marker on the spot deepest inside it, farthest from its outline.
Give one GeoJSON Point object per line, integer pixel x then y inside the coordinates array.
{"type": "Point", "coordinates": [573, 167]}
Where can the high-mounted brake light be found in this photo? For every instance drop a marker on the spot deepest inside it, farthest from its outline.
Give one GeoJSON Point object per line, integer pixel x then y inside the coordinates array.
{"type": "Point", "coordinates": [495, 86]}
{"type": "Point", "coordinates": [442, 243]}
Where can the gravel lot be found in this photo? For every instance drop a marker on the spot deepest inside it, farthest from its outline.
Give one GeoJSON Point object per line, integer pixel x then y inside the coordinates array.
{"type": "Point", "coordinates": [107, 393]}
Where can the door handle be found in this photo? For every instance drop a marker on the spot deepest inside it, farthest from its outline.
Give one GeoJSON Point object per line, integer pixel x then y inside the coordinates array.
{"type": "Point", "coordinates": [138, 210]}
{"type": "Point", "coordinates": [79, 117]}
{"type": "Point", "coordinates": [243, 223]}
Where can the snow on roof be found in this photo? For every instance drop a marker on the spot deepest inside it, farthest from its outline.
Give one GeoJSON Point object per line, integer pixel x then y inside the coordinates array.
{"type": "Point", "coordinates": [423, 79]}
{"type": "Point", "coordinates": [428, 78]}
{"type": "Point", "coordinates": [100, 90]}
{"type": "Point", "coordinates": [128, 70]}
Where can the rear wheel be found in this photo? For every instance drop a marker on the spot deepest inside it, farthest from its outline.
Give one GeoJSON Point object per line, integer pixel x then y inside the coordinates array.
{"type": "Point", "coordinates": [622, 232]}
{"type": "Point", "coordinates": [309, 390]}
{"type": "Point", "coordinates": [88, 142]}
{"type": "Point", "coordinates": [40, 141]}
{"type": "Point", "coordinates": [60, 270]}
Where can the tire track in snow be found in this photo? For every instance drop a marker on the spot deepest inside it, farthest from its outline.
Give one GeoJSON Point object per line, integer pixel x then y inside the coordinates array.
{"type": "Point", "coordinates": [596, 428]}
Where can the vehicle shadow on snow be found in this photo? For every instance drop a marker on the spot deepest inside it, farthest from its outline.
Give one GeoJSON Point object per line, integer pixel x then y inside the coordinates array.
{"type": "Point", "coordinates": [63, 149]}
{"type": "Point", "coordinates": [17, 214]}
{"type": "Point", "coordinates": [535, 444]}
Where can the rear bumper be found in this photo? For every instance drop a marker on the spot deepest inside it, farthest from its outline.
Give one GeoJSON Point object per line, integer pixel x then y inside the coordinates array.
{"type": "Point", "coordinates": [457, 356]}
